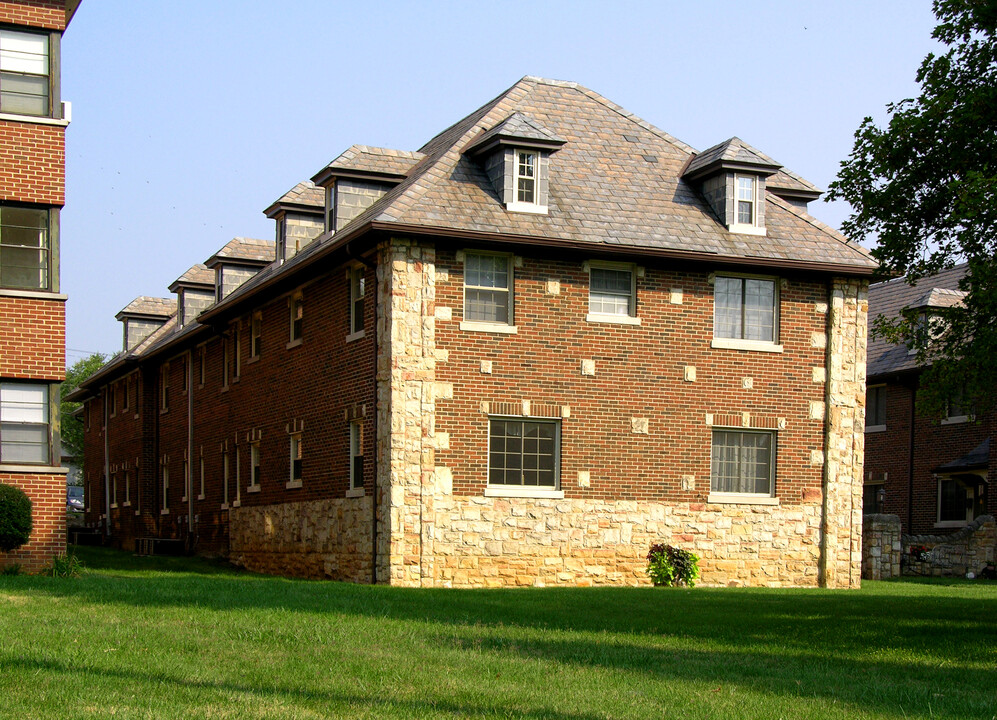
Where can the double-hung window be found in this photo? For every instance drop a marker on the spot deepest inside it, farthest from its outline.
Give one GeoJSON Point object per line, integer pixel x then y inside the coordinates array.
{"type": "Point", "coordinates": [24, 73]}
{"type": "Point", "coordinates": [745, 200]}
{"type": "Point", "coordinates": [356, 457]}
{"type": "Point", "coordinates": [523, 454]}
{"type": "Point", "coordinates": [254, 466]}
{"type": "Point", "coordinates": [612, 292]}
{"type": "Point", "coordinates": [164, 387]}
{"type": "Point", "coordinates": [297, 308]}
{"type": "Point", "coordinates": [24, 424]}
{"type": "Point", "coordinates": [357, 288]}
{"type": "Point", "coordinates": [745, 312]}
{"type": "Point", "coordinates": [488, 288]}
{"type": "Point", "coordinates": [875, 408]}
{"type": "Point", "coordinates": [256, 335]}
{"type": "Point", "coordinates": [295, 474]}
{"type": "Point", "coordinates": [527, 163]}
{"type": "Point", "coordinates": [24, 248]}
{"type": "Point", "coordinates": [743, 463]}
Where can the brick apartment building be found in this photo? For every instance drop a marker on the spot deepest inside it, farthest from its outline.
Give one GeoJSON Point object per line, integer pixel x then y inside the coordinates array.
{"type": "Point", "coordinates": [932, 472]}
{"type": "Point", "coordinates": [33, 122]}
{"type": "Point", "coordinates": [551, 337]}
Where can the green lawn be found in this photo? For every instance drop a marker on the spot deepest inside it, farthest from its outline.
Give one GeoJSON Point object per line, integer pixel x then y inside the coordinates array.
{"type": "Point", "coordinates": [182, 638]}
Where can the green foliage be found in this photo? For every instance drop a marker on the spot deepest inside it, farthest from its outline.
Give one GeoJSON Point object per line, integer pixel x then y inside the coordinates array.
{"type": "Point", "coordinates": [12, 569]}
{"type": "Point", "coordinates": [671, 566]}
{"type": "Point", "coordinates": [15, 517]}
{"type": "Point", "coordinates": [72, 427]}
{"type": "Point", "coordinates": [65, 566]}
{"type": "Point", "coordinates": [925, 188]}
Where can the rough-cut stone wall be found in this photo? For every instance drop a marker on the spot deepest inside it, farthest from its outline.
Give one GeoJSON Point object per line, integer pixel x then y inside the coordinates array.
{"type": "Point", "coordinates": [319, 539]}
{"type": "Point", "coordinates": [880, 547]}
{"type": "Point", "coordinates": [406, 374]}
{"type": "Point", "coordinates": [841, 559]}
{"type": "Point", "coordinates": [971, 549]}
{"type": "Point", "coordinates": [492, 542]}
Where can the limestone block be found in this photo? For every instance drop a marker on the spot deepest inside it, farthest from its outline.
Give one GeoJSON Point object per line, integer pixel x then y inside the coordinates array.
{"type": "Point", "coordinates": [690, 373]}
{"type": "Point", "coordinates": [584, 480]}
{"type": "Point", "coordinates": [486, 367]}
{"type": "Point", "coordinates": [675, 296]}
{"type": "Point", "coordinates": [819, 374]}
{"type": "Point", "coordinates": [688, 482]}
{"type": "Point", "coordinates": [552, 287]}
{"type": "Point", "coordinates": [818, 340]}
{"type": "Point", "coordinates": [747, 383]}
{"type": "Point", "coordinates": [816, 410]}
{"type": "Point", "coordinates": [588, 367]}
{"type": "Point", "coordinates": [639, 426]}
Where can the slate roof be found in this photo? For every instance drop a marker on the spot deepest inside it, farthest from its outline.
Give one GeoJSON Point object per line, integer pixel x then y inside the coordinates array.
{"type": "Point", "coordinates": [304, 195]}
{"type": "Point", "coordinates": [197, 275]}
{"type": "Point", "coordinates": [248, 250]}
{"type": "Point", "coordinates": [151, 306]}
{"type": "Point", "coordinates": [785, 179]}
{"type": "Point", "coordinates": [978, 457]}
{"type": "Point", "coordinates": [890, 298]}
{"type": "Point", "coordinates": [375, 160]}
{"type": "Point", "coordinates": [518, 127]}
{"type": "Point", "coordinates": [733, 151]}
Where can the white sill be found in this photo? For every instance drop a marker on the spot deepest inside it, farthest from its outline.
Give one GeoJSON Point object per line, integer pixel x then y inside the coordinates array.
{"type": "Point", "coordinates": [501, 328]}
{"type": "Point", "coordinates": [253, 488]}
{"type": "Point", "coordinates": [34, 469]}
{"type": "Point", "coordinates": [224, 506]}
{"type": "Point", "coordinates": [734, 344]}
{"type": "Point", "coordinates": [36, 119]}
{"type": "Point", "coordinates": [354, 492]}
{"type": "Point", "coordinates": [164, 511]}
{"type": "Point", "coordinates": [523, 207]}
{"type": "Point", "coordinates": [951, 524]}
{"type": "Point", "coordinates": [293, 344]}
{"type": "Point", "coordinates": [613, 319]}
{"type": "Point", "coordinates": [201, 496]}
{"type": "Point", "coordinates": [355, 336]}
{"type": "Point", "coordinates": [33, 294]}
{"type": "Point", "coordinates": [747, 229]}
{"type": "Point", "coordinates": [236, 503]}
{"type": "Point", "coordinates": [741, 499]}
{"type": "Point", "coordinates": [183, 499]}
{"type": "Point", "coordinates": [138, 512]}
{"type": "Point", "coordinates": [291, 484]}
{"type": "Point", "coordinates": [875, 428]}
{"type": "Point", "coordinates": [956, 419]}
{"type": "Point", "coordinates": [126, 504]}
{"type": "Point", "coordinates": [252, 359]}
{"type": "Point", "coordinates": [517, 491]}
{"type": "Point", "coordinates": [114, 506]}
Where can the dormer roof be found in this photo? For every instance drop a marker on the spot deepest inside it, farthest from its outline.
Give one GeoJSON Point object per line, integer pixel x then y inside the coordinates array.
{"type": "Point", "coordinates": [518, 130]}
{"type": "Point", "coordinates": [243, 251]}
{"type": "Point", "coordinates": [370, 163]}
{"type": "Point", "coordinates": [940, 298]}
{"type": "Point", "coordinates": [198, 277]}
{"type": "Point", "coordinates": [790, 186]}
{"type": "Point", "coordinates": [733, 154]}
{"type": "Point", "coordinates": [152, 308]}
{"type": "Point", "coordinates": [304, 197]}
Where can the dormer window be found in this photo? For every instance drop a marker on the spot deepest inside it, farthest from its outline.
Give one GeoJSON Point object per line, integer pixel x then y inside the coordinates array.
{"type": "Point", "coordinates": [526, 176]}
{"type": "Point", "coordinates": [745, 200]}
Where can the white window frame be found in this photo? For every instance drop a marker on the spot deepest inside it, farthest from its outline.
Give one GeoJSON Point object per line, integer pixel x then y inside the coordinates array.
{"type": "Point", "coordinates": [18, 62]}
{"type": "Point", "coordinates": [128, 496]}
{"type": "Point", "coordinates": [225, 474]}
{"type": "Point", "coordinates": [631, 317]}
{"type": "Point", "coordinates": [255, 466]}
{"type": "Point", "coordinates": [876, 427]}
{"type": "Point", "coordinates": [754, 227]}
{"type": "Point", "coordinates": [485, 325]}
{"type": "Point", "coordinates": [356, 450]}
{"type": "Point", "coordinates": [742, 343]}
{"type": "Point", "coordinates": [939, 523]}
{"type": "Point", "coordinates": [516, 205]}
{"type": "Point", "coordinates": [745, 498]}
{"type": "Point", "coordinates": [357, 281]}
{"type": "Point", "coordinates": [524, 491]}
{"type": "Point", "coordinates": [165, 476]}
{"type": "Point", "coordinates": [295, 454]}
{"type": "Point", "coordinates": [164, 387]}
{"type": "Point", "coordinates": [296, 316]}
{"type": "Point", "coordinates": [255, 335]}
{"type": "Point", "coordinates": [200, 462]}
{"type": "Point", "coordinates": [114, 490]}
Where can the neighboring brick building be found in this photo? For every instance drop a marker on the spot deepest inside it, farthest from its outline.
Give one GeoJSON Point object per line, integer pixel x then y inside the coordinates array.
{"type": "Point", "coordinates": [933, 472]}
{"type": "Point", "coordinates": [551, 337]}
{"type": "Point", "coordinates": [33, 122]}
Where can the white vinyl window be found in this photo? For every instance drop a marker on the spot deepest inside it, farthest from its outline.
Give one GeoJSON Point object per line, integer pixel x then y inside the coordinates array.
{"type": "Point", "coordinates": [612, 290]}
{"type": "Point", "coordinates": [356, 456]}
{"type": "Point", "coordinates": [295, 458]}
{"type": "Point", "coordinates": [527, 164]}
{"type": "Point", "coordinates": [745, 200]}
{"type": "Point", "coordinates": [24, 424]}
{"type": "Point", "coordinates": [743, 462]}
{"type": "Point", "coordinates": [24, 73]}
{"type": "Point", "coordinates": [488, 288]}
{"type": "Point", "coordinates": [254, 465]}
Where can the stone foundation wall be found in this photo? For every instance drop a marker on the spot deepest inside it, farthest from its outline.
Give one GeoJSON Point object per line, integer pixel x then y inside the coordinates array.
{"type": "Point", "coordinates": [494, 542]}
{"type": "Point", "coordinates": [320, 539]}
{"type": "Point", "coordinates": [971, 549]}
{"type": "Point", "coordinates": [881, 547]}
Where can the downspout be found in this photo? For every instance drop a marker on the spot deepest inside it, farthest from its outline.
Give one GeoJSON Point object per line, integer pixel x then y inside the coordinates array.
{"type": "Point", "coordinates": [190, 450]}
{"type": "Point", "coordinates": [107, 468]}
{"type": "Point", "coordinates": [373, 499]}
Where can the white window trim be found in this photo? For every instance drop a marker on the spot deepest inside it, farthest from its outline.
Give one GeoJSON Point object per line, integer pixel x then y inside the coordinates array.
{"type": "Point", "coordinates": [356, 332]}
{"type": "Point", "coordinates": [524, 491]}
{"type": "Point", "coordinates": [722, 498]}
{"type": "Point", "coordinates": [957, 419]}
{"type": "Point", "coordinates": [631, 317]}
{"type": "Point", "coordinates": [517, 205]}
{"type": "Point", "coordinates": [511, 491]}
{"type": "Point", "coordinates": [508, 328]}
{"type": "Point", "coordinates": [939, 523]}
{"type": "Point", "coordinates": [875, 428]}
{"type": "Point", "coordinates": [880, 427]}
{"type": "Point", "coordinates": [295, 443]}
{"type": "Point", "coordinates": [744, 228]}
{"type": "Point", "coordinates": [521, 207]}
{"type": "Point", "coordinates": [755, 345]}
{"type": "Point", "coordinates": [771, 498]}
{"type": "Point", "coordinates": [254, 449]}
{"type": "Point", "coordinates": [355, 489]}
{"type": "Point", "coordinates": [739, 343]}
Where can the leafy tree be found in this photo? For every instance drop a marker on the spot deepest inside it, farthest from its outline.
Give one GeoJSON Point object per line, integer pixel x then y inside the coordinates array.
{"type": "Point", "coordinates": [925, 187]}
{"type": "Point", "coordinates": [72, 427]}
{"type": "Point", "coordinates": [15, 517]}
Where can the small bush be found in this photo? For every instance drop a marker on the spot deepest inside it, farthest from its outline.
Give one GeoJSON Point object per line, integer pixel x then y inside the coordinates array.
{"type": "Point", "coordinates": [12, 569]}
{"type": "Point", "coordinates": [65, 566]}
{"type": "Point", "coordinates": [15, 517]}
{"type": "Point", "coordinates": [672, 566]}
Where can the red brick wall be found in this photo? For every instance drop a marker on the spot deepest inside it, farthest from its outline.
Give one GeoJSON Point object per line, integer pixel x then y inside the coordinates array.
{"type": "Point", "coordinates": [32, 338]}
{"type": "Point", "coordinates": [639, 373]}
{"type": "Point", "coordinates": [32, 163]}
{"type": "Point", "coordinates": [48, 515]}
{"type": "Point", "coordinates": [49, 14]}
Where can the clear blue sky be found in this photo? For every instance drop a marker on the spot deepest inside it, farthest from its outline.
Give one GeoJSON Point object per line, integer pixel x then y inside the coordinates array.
{"type": "Point", "coordinates": [191, 116]}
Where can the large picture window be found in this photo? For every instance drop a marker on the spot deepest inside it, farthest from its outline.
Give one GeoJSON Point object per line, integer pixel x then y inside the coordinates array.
{"type": "Point", "coordinates": [488, 288]}
{"type": "Point", "coordinates": [24, 424]}
{"type": "Point", "coordinates": [523, 453]}
{"type": "Point", "coordinates": [743, 462]}
{"type": "Point", "coordinates": [745, 309]}
{"type": "Point", "coordinates": [24, 73]}
{"type": "Point", "coordinates": [24, 248]}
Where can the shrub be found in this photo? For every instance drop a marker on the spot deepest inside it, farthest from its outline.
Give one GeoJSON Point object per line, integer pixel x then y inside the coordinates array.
{"type": "Point", "coordinates": [65, 566]}
{"type": "Point", "coordinates": [15, 517]}
{"type": "Point", "coordinates": [672, 566]}
{"type": "Point", "coordinates": [12, 569]}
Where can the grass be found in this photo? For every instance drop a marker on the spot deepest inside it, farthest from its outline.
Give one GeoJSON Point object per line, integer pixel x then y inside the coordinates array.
{"type": "Point", "coordinates": [184, 638]}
